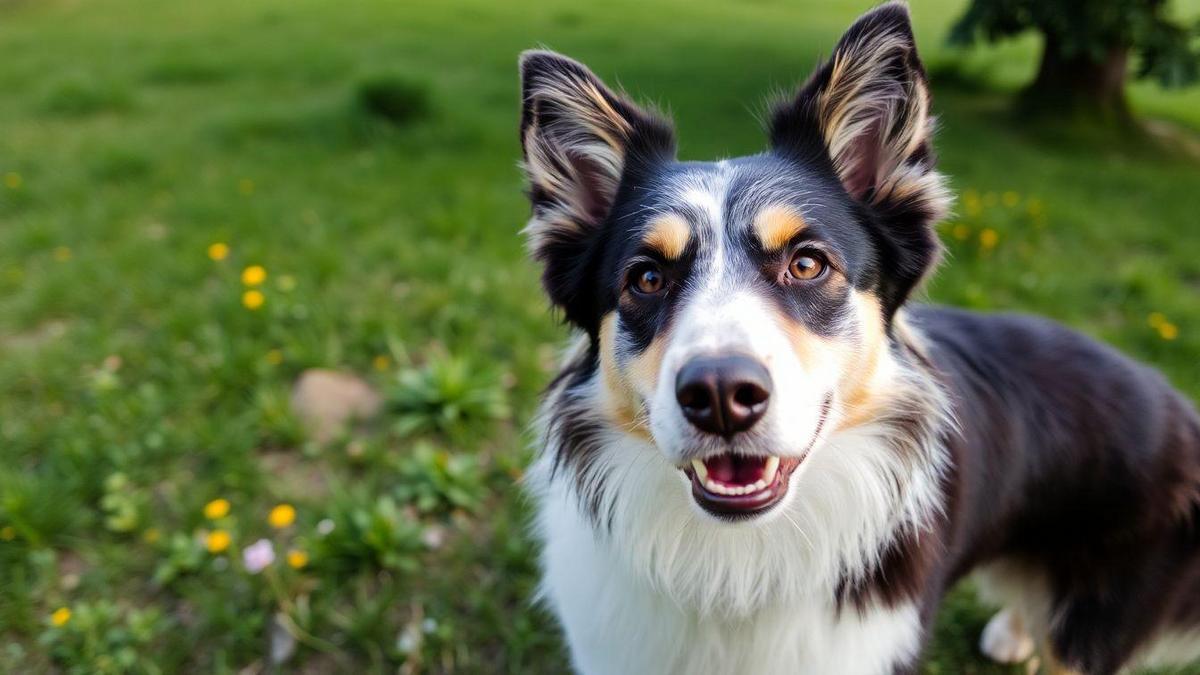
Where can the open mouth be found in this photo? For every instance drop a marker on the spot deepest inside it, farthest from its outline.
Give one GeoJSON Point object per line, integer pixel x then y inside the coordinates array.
{"type": "Point", "coordinates": [740, 485]}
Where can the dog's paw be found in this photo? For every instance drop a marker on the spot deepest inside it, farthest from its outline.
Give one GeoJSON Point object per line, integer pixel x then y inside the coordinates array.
{"type": "Point", "coordinates": [1005, 640]}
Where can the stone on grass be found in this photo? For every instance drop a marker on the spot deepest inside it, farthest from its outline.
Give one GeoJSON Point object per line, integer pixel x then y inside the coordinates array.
{"type": "Point", "coordinates": [327, 400]}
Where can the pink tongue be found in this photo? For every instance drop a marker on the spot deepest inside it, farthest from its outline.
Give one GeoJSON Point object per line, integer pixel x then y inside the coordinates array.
{"type": "Point", "coordinates": [735, 470]}
{"type": "Point", "coordinates": [720, 468]}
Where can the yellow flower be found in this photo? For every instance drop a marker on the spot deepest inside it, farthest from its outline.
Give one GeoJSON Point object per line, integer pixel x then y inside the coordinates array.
{"type": "Point", "coordinates": [12, 180]}
{"type": "Point", "coordinates": [1156, 319]}
{"type": "Point", "coordinates": [1010, 199]}
{"type": "Point", "coordinates": [274, 357]}
{"type": "Point", "coordinates": [62, 254]}
{"type": "Point", "coordinates": [246, 186]}
{"type": "Point", "coordinates": [218, 250]}
{"type": "Point", "coordinates": [1168, 331]}
{"type": "Point", "coordinates": [297, 559]}
{"type": "Point", "coordinates": [381, 362]}
{"type": "Point", "coordinates": [7, 533]}
{"type": "Point", "coordinates": [60, 617]}
{"type": "Point", "coordinates": [217, 508]}
{"type": "Point", "coordinates": [988, 238]}
{"type": "Point", "coordinates": [254, 275]}
{"type": "Point", "coordinates": [281, 516]}
{"type": "Point", "coordinates": [961, 232]}
{"type": "Point", "coordinates": [253, 299]}
{"type": "Point", "coordinates": [217, 541]}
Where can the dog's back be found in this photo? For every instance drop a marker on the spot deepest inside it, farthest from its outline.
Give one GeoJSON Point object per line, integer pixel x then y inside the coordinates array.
{"type": "Point", "coordinates": [1077, 483]}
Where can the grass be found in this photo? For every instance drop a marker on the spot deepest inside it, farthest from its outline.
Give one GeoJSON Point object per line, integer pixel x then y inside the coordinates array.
{"type": "Point", "coordinates": [136, 387]}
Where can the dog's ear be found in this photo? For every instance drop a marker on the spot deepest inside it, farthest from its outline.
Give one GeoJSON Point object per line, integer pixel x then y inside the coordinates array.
{"type": "Point", "coordinates": [867, 112]}
{"type": "Point", "coordinates": [580, 141]}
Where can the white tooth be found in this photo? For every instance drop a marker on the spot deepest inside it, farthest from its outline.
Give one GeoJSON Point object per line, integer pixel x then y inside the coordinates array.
{"type": "Point", "coordinates": [769, 470]}
{"type": "Point", "coordinates": [759, 486]}
{"type": "Point", "coordinates": [701, 470]}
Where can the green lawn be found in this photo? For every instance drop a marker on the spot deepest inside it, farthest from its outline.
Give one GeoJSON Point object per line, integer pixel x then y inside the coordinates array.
{"type": "Point", "coordinates": [136, 387]}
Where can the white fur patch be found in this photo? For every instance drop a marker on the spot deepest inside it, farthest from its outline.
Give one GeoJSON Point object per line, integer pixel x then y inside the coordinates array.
{"type": "Point", "coordinates": [1175, 648]}
{"type": "Point", "coordinates": [618, 620]}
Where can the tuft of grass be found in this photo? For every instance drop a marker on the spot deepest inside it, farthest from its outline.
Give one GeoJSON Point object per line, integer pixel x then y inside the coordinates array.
{"type": "Point", "coordinates": [188, 71]}
{"type": "Point", "coordinates": [118, 165]}
{"type": "Point", "coordinates": [81, 97]}
{"type": "Point", "coordinates": [396, 99]}
{"type": "Point", "coordinates": [448, 396]}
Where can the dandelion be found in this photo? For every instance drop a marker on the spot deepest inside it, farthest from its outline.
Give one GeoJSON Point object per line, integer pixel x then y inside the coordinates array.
{"type": "Point", "coordinates": [62, 254]}
{"type": "Point", "coordinates": [1156, 319]}
{"type": "Point", "coordinates": [281, 516]}
{"type": "Point", "coordinates": [252, 300]}
{"type": "Point", "coordinates": [217, 508]}
{"type": "Point", "coordinates": [7, 533]}
{"type": "Point", "coordinates": [297, 559]}
{"type": "Point", "coordinates": [961, 232]}
{"type": "Point", "coordinates": [218, 251]}
{"type": "Point", "coordinates": [12, 180]}
{"type": "Point", "coordinates": [246, 186]}
{"type": "Point", "coordinates": [60, 617]}
{"type": "Point", "coordinates": [217, 541]}
{"type": "Point", "coordinates": [1168, 331]}
{"type": "Point", "coordinates": [258, 556]}
{"type": "Point", "coordinates": [381, 363]}
{"type": "Point", "coordinates": [1010, 199]}
{"type": "Point", "coordinates": [988, 239]}
{"type": "Point", "coordinates": [274, 357]}
{"type": "Point", "coordinates": [254, 275]}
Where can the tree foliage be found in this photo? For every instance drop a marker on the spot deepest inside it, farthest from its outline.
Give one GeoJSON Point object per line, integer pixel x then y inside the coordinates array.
{"type": "Point", "coordinates": [1166, 48]}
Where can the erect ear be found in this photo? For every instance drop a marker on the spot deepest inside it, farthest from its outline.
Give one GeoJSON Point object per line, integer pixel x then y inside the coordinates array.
{"type": "Point", "coordinates": [580, 141]}
{"type": "Point", "coordinates": [867, 112]}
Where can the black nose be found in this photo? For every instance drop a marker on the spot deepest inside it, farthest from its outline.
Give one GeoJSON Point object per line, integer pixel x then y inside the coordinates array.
{"type": "Point", "coordinates": [723, 395]}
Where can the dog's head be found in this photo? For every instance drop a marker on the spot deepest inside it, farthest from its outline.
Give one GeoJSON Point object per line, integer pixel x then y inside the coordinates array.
{"type": "Point", "coordinates": [738, 311]}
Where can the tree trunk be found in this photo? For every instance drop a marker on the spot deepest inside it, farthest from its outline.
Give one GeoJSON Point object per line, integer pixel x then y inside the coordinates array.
{"type": "Point", "coordinates": [1078, 87]}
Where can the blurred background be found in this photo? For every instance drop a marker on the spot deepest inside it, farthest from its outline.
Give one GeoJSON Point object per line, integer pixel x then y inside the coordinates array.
{"type": "Point", "coordinates": [269, 342]}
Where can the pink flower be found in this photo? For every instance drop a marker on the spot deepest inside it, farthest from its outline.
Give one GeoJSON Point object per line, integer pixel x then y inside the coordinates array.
{"type": "Point", "coordinates": [258, 556]}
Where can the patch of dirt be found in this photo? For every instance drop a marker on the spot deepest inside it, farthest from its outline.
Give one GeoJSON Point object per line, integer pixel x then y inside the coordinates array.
{"type": "Point", "coordinates": [35, 337]}
{"type": "Point", "coordinates": [1174, 136]}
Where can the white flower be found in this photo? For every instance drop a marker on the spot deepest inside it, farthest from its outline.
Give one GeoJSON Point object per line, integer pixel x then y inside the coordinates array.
{"type": "Point", "coordinates": [258, 556]}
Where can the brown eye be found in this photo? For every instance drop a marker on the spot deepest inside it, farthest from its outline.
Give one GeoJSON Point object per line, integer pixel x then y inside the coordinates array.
{"type": "Point", "coordinates": [648, 280]}
{"type": "Point", "coordinates": [806, 266]}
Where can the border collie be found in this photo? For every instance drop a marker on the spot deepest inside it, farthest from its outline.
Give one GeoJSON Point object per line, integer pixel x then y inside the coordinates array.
{"type": "Point", "coordinates": [759, 458]}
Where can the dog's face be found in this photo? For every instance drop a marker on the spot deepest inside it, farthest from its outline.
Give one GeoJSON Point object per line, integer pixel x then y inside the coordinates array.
{"type": "Point", "coordinates": [738, 311]}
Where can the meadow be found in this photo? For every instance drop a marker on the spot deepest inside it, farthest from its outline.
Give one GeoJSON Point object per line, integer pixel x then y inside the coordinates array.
{"type": "Point", "coordinates": [201, 201]}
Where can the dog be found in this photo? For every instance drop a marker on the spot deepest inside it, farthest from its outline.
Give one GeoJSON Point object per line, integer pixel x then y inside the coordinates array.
{"type": "Point", "coordinates": [760, 457]}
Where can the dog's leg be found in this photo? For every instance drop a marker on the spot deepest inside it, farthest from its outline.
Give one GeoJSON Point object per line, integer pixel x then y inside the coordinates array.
{"type": "Point", "coordinates": [1005, 639]}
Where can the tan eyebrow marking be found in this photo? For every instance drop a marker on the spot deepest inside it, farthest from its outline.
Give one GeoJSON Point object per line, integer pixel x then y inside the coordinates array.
{"type": "Point", "coordinates": [777, 225]}
{"type": "Point", "coordinates": [668, 234]}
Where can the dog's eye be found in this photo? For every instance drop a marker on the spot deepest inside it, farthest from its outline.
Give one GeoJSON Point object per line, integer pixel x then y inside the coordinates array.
{"type": "Point", "coordinates": [806, 265]}
{"type": "Point", "coordinates": [648, 279]}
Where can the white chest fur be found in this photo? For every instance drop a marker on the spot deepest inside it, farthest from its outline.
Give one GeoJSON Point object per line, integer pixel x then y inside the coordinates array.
{"type": "Point", "coordinates": [617, 622]}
